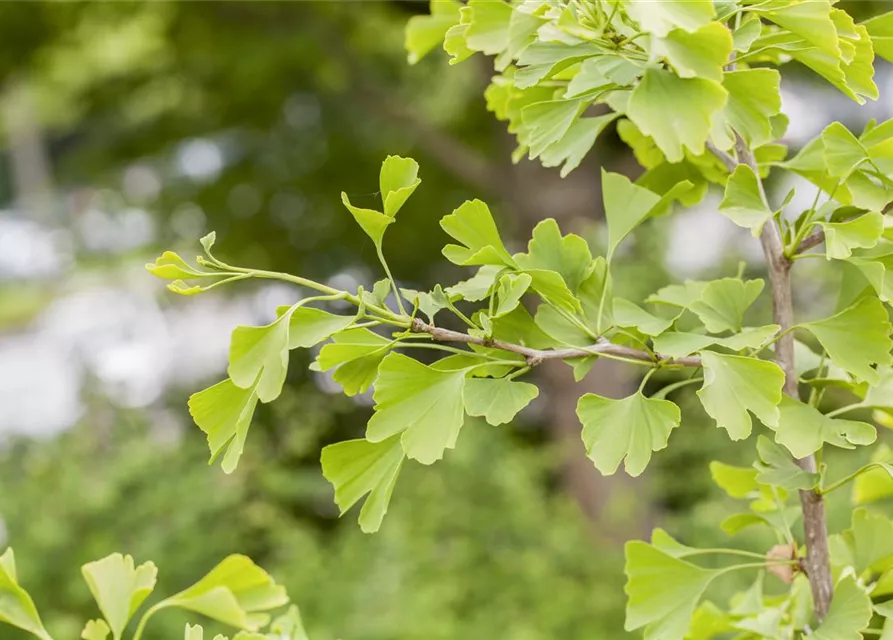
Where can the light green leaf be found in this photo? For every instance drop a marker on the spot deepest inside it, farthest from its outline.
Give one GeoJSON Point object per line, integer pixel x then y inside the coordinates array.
{"type": "Point", "coordinates": [857, 337]}
{"type": "Point", "coordinates": [424, 33]}
{"type": "Point", "coordinates": [754, 99]}
{"type": "Point", "coordinates": [477, 287]}
{"type": "Point", "coordinates": [569, 255]}
{"type": "Point", "coordinates": [562, 330]}
{"type": "Point", "coordinates": [358, 467]}
{"type": "Point", "coordinates": [778, 470]}
{"type": "Point", "coordinates": [675, 344]}
{"type": "Point", "coordinates": [551, 287]}
{"type": "Point", "coordinates": [750, 337]}
{"type": "Point", "coordinates": [663, 591]}
{"type": "Point", "coordinates": [630, 428]}
{"type": "Point", "coordinates": [734, 385]}
{"type": "Point", "coordinates": [843, 151]}
{"type": "Point", "coordinates": [16, 607]}
{"type": "Point", "coordinates": [738, 482]}
{"type": "Point", "coordinates": [699, 54]}
{"type": "Point", "coordinates": [745, 35]}
{"type": "Point", "coordinates": [498, 400]}
{"type": "Point", "coordinates": [663, 541]}
{"type": "Point", "coordinates": [224, 413]}
{"type": "Point", "coordinates": [208, 241]}
{"type": "Point", "coordinates": [723, 302]}
{"type": "Point", "coordinates": [236, 592]}
{"type": "Point", "coordinates": [289, 625]}
{"type": "Point", "coordinates": [709, 622]}
{"type": "Point", "coordinates": [862, 233]}
{"type": "Point", "coordinates": [357, 354]}
{"type": "Point", "coordinates": [258, 357]}
{"type": "Point", "coordinates": [877, 483]}
{"type": "Point", "coordinates": [849, 614]}
{"type": "Point", "coordinates": [573, 146]}
{"type": "Point", "coordinates": [472, 224]}
{"type": "Point", "coordinates": [627, 205]}
{"type": "Point", "coordinates": [119, 588]}
{"type": "Point", "coordinates": [509, 292]}
{"type": "Point", "coordinates": [676, 112]}
{"type": "Point", "coordinates": [601, 72]}
{"type": "Point", "coordinates": [743, 202]}
{"type": "Point", "coordinates": [374, 223]}
{"type": "Point", "coordinates": [880, 29]}
{"type": "Point", "coordinates": [170, 266]}
{"type": "Point", "coordinates": [399, 177]}
{"type": "Point", "coordinates": [308, 326]}
{"type": "Point", "coordinates": [629, 314]}
{"type": "Point", "coordinates": [95, 630]}
{"type": "Point", "coordinates": [422, 403]}
{"type": "Point", "coordinates": [546, 123]}
{"type": "Point", "coordinates": [659, 18]}
{"type": "Point", "coordinates": [809, 19]}
{"type": "Point", "coordinates": [803, 429]}
{"type": "Point", "coordinates": [678, 295]}
{"type": "Point", "coordinates": [488, 28]}
{"type": "Point", "coordinates": [454, 42]}
{"type": "Point", "coordinates": [871, 538]}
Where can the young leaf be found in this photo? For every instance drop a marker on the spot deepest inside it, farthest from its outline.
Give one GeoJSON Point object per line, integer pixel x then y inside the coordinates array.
{"type": "Point", "coordinates": [880, 29]}
{"type": "Point", "coordinates": [843, 151]}
{"type": "Point", "coordinates": [498, 400]}
{"type": "Point", "coordinates": [660, 18]}
{"type": "Point", "coordinates": [849, 614]}
{"type": "Point", "coordinates": [803, 429]}
{"type": "Point", "coordinates": [358, 467]}
{"type": "Point", "coordinates": [573, 146]}
{"type": "Point", "coordinates": [308, 326]}
{"type": "Point", "coordinates": [723, 302]}
{"type": "Point", "coordinates": [95, 630]}
{"type": "Point", "coordinates": [676, 112]}
{"type": "Point", "coordinates": [663, 591]}
{"type": "Point", "coordinates": [398, 179]}
{"type": "Point", "coordinates": [224, 413]}
{"type": "Point", "coordinates": [568, 255]}
{"type": "Point", "coordinates": [629, 314]}
{"type": "Point", "coordinates": [422, 403]}
{"type": "Point", "coordinates": [119, 588]}
{"type": "Point", "coordinates": [734, 385]}
{"type": "Point", "coordinates": [509, 292]}
{"type": "Point", "coordinates": [876, 483]}
{"type": "Point", "coordinates": [374, 223]}
{"type": "Point", "coordinates": [472, 225]}
{"type": "Point", "coordinates": [700, 54]}
{"type": "Point", "coordinates": [778, 470]}
{"type": "Point", "coordinates": [546, 123]}
{"type": "Point", "coordinates": [289, 625]}
{"type": "Point", "coordinates": [862, 233]}
{"type": "Point", "coordinates": [743, 203]}
{"type": "Point", "coordinates": [477, 287]}
{"type": "Point", "coordinates": [871, 538]}
{"type": "Point", "coordinates": [170, 266]}
{"type": "Point", "coordinates": [357, 353]}
{"type": "Point", "coordinates": [602, 72]}
{"type": "Point", "coordinates": [857, 337]}
{"type": "Point", "coordinates": [629, 428]}
{"type": "Point", "coordinates": [551, 287]}
{"type": "Point", "coordinates": [424, 33]}
{"type": "Point", "coordinates": [16, 607]}
{"type": "Point", "coordinates": [236, 592]}
{"type": "Point", "coordinates": [810, 19]}
{"type": "Point", "coordinates": [488, 28]}
{"type": "Point", "coordinates": [737, 482]}
{"type": "Point", "coordinates": [258, 357]}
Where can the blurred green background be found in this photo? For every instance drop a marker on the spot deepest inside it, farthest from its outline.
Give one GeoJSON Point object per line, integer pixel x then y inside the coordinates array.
{"type": "Point", "coordinates": [128, 129]}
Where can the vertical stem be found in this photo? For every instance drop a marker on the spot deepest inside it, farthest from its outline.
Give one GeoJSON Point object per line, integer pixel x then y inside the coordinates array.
{"type": "Point", "coordinates": [815, 527]}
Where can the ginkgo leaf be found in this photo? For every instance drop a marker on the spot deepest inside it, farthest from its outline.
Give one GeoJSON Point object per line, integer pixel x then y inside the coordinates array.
{"type": "Point", "coordinates": [698, 54]}
{"type": "Point", "coordinates": [543, 59]}
{"type": "Point", "coordinates": [630, 428]}
{"type": "Point", "coordinates": [96, 630]}
{"type": "Point", "coordinates": [258, 357]}
{"type": "Point", "coordinates": [849, 613]}
{"type": "Point", "coordinates": [472, 225]}
{"type": "Point", "coordinates": [880, 29]}
{"type": "Point", "coordinates": [374, 223]}
{"type": "Point", "coordinates": [856, 338]}
{"type": "Point", "coordinates": [662, 591]}
{"type": "Point", "coordinates": [236, 592]}
{"type": "Point", "coordinates": [876, 483]}
{"type": "Point", "coordinates": [809, 19]}
{"type": "Point", "coordinates": [170, 266]}
{"type": "Point", "coordinates": [488, 28]}
{"type": "Point", "coordinates": [659, 18]}
{"type": "Point", "coordinates": [737, 482]}
{"type": "Point", "coordinates": [743, 201]}
{"type": "Point", "coordinates": [422, 403]}
{"type": "Point", "coordinates": [754, 99]}
{"type": "Point", "coordinates": [569, 255]}
{"type": "Point", "coordinates": [399, 177]}
{"type": "Point", "coordinates": [573, 146]}
{"type": "Point", "coordinates": [289, 625]}
{"type": "Point", "coordinates": [778, 470]}
{"type": "Point", "coordinates": [546, 123]}
{"type": "Point", "coordinates": [676, 112]}
{"type": "Point", "coordinates": [871, 539]}
{"type": "Point", "coordinates": [750, 337]}
{"type": "Point", "coordinates": [803, 429]}
{"type": "Point", "coordinates": [629, 314]}
{"type": "Point", "coordinates": [551, 287]}
{"type": "Point", "coordinates": [676, 344]}
{"type": "Point", "coordinates": [498, 400]}
{"type": "Point", "coordinates": [734, 386]}
{"type": "Point", "coordinates": [722, 303]}
{"type": "Point", "coordinates": [16, 606]}
{"type": "Point", "coordinates": [358, 467]}
{"type": "Point", "coordinates": [601, 72]}
{"type": "Point", "coordinates": [678, 295]}
{"type": "Point", "coordinates": [424, 33]}
{"type": "Point", "coordinates": [862, 233]}
{"type": "Point", "coordinates": [746, 34]}
{"type": "Point", "coordinates": [477, 287]}
{"type": "Point", "coordinates": [224, 413]}
{"type": "Point", "coordinates": [308, 326]}
{"type": "Point", "coordinates": [556, 325]}
{"type": "Point", "coordinates": [842, 150]}
{"type": "Point", "coordinates": [509, 292]}
{"type": "Point", "coordinates": [627, 205]}
{"type": "Point", "coordinates": [356, 353]}
{"type": "Point", "coordinates": [119, 588]}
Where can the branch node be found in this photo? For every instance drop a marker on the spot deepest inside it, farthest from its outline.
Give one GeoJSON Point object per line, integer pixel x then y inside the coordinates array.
{"type": "Point", "coordinates": [532, 361]}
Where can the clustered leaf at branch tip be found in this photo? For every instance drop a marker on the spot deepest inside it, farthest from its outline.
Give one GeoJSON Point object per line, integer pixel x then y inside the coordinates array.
{"type": "Point", "coordinates": [693, 121]}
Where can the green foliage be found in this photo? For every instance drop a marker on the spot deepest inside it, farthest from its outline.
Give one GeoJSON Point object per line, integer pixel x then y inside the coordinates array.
{"type": "Point", "coordinates": [692, 117]}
